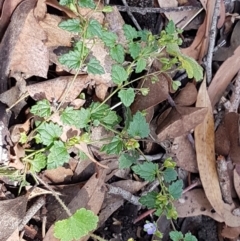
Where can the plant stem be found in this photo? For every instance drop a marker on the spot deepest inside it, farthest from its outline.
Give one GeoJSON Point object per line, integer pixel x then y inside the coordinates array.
{"type": "Point", "coordinates": [97, 237]}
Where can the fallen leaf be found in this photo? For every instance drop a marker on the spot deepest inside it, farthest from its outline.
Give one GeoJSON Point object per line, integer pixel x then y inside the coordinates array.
{"type": "Point", "coordinates": [54, 89]}
{"type": "Point", "coordinates": [231, 233]}
{"type": "Point", "coordinates": [223, 77]}
{"type": "Point", "coordinates": [187, 96]}
{"type": "Point", "coordinates": [194, 203]}
{"type": "Point", "coordinates": [236, 180]}
{"type": "Point", "coordinates": [158, 92]}
{"type": "Point", "coordinates": [180, 121]}
{"type": "Point", "coordinates": [185, 155]}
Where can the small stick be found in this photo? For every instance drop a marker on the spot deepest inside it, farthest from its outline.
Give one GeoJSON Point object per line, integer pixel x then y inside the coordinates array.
{"type": "Point", "coordinates": [124, 194]}
{"type": "Point", "coordinates": [143, 11]}
{"type": "Point", "coordinates": [131, 15]}
{"type": "Point", "coordinates": [144, 215]}
{"type": "Point", "coordinates": [32, 211]}
{"type": "Point", "coordinates": [224, 179]}
{"type": "Point", "coordinates": [212, 39]}
{"type": "Point", "coordinates": [235, 98]}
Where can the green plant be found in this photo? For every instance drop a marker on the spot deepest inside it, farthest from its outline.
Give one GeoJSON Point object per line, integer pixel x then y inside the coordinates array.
{"type": "Point", "coordinates": [143, 48]}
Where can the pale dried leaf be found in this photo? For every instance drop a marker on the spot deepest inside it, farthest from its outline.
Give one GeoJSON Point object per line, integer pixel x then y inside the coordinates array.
{"type": "Point", "coordinates": [236, 181]}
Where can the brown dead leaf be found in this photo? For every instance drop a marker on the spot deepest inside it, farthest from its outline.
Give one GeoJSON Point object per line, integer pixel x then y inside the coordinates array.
{"type": "Point", "coordinates": [91, 197]}
{"type": "Point", "coordinates": [194, 203]}
{"type": "Point", "coordinates": [185, 154]}
{"type": "Point", "coordinates": [230, 233]}
{"type": "Point", "coordinates": [222, 15]}
{"type": "Point", "coordinates": [158, 92]}
{"type": "Point", "coordinates": [180, 121]}
{"type": "Point", "coordinates": [28, 54]}
{"type": "Point", "coordinates": [50, 26]}
{"type": "Point", "coordinates": [222, 142]}
{"type": "Point", "coordinates": [58, 175]}
{"type": "Point", "coordinates": [204, 140]}
{"type": "Point", "coordinates": [6, 13]}
{"type": "Point", "coordinates": [40, 9]}
{"type": "Point", "coordinates": [223, 77]}
{"type": "Point", "coordinates": [12, 212]}
{"type": "Point", "coordinates": [187, 96]}
{"type": "Point", "coordinates": [55, 88]}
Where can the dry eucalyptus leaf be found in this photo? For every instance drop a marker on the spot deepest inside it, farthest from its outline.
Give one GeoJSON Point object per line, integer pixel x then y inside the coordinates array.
{"type": "Point", "coordinates": [231, 233]}
{"type": "Point", "coordinates": [158, 92]}
{"type": "Point", "coordinates": [187, 96]}
{"type": "Point", "coordinates": [222, 142]}
{"type": "Point", "coordinates": [185, 154]}
{"type": "Point", "coordinates": [54, 89]}
{"type": "Point", "coordinates": [179, 121]}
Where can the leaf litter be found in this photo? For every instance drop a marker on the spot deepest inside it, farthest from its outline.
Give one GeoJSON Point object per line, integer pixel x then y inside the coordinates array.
{"type": "Point", "coordinates": [182, 124]}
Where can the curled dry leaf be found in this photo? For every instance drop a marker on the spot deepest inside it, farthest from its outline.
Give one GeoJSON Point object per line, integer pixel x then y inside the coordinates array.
{"type": "Point", "coordinates": [185, 155]}
{"type": "Point", "coordinates": [204, 139]}
{"type": "Point", "coordinates": [231, 233]}
{"type": "Point", "coordinates": [179, 121]}
{"type": "Point", "coordinates": [158, 92]}
{"type": "Point", "coordinates": [223, 77]}
{"type": "Point", "coordinates": [54, 89]}
{"type": "Point", "coordinates": [187, 96]}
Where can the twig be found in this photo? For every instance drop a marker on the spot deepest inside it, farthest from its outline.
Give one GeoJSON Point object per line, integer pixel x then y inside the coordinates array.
{"type": "Point", "coordinates": [131, 15]}
{"type": "Point", "coordinates": [152, 157]}
{"type": "Point", "coordinates": [212, 38]}
{"type": "Point", "coordinates": [144, 215]}
{"type": "Point", "coordinates": [235, 98]}
{"type": "Point", "coordinates": [143, 11]}
{"type": "Point", "coordinates": [31, 211]}
{"type": "Point", "coordinates": [124, 194]}
{"type": "Point", "coordinates": [224, 179]}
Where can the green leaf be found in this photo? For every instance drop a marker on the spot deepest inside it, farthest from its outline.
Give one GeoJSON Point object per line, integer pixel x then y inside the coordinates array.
{"type": "Point", "coordinates": [119, 74]}
{"type": "Point", "coordinates": [38, 163]}
{"type": "Point", "coordinates": [173, 49]}
{"type": "Point", "coordinates": [71, 59]}
{"type": "Point", "coordinates": [127, 96]}
{"type": "Point", "coordinates": [107, 9]}
{"type": "Point", "coordinates": [65, 2]}
{"type": "Point", "coordinates": [176, 84]}
{"type": "Point", "coordinates": [80, 46]}
{"type": "Point", "coordinates": [147, 170]}
{"type": "Point", "coordinates": [170, 28]}
{"type": "Point", "coordinates": [83, 118]}
{"type": "Point", "coordinates": [71, 25]}
{"type": "Point", "coordinates": [82, 156]}
{"type": "Point", "coordinates": [69, 116]}
{"type": "Point", "coordinates": [58, 155]}
{"type": "Point", "coordinates": [42, 108]}
{"type": "Point", "coordinates": [125, 161]}
{"type": "Point", "coordinates": [77, 226]}
{"type": "Point", "coordinates": [49, 132]}
{"type": "Point", "coordinates": [169, 175]}
{"type": "Point", "coordinates": [175, 189]}
{"type": "Point", "coordinates": [134, 49]}
{"type": "Point", "coordinates": [141, 65]}
{"type": "Point", "coordinates": [94, 29]}
{"type": "Point", "coordinates": [109, 38]}
{"type": "Point", "coordinates": [176, 236]}
{"type": "Point", "coordinates": [190, 237]}
{"type": "Point", "coordinates": [193, 69]}
{"type": "Point", "coordinates": [149, 200]}
{"type": "Point", "coordinates": [138, 126]}
{"type": "Point", "coordinates": [87, 4]}
{"type": "Point", "coordinates": [129, 32]}
{"type": "Point", "coordinates": [114, 147]}
{"type": "Point", "coordinates": [111, 119]}
{"type": "Point", "coordinates": [94, 67]}
{"type": "Point", "coordinates": [117, 53]}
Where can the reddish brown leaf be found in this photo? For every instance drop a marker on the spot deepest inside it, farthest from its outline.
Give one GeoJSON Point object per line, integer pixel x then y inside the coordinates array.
{"type": "Point", "coordinates": [180, 121]}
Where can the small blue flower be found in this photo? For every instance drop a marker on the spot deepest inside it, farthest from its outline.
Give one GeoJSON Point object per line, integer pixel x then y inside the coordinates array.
{"type": "Point", "coordinates": [150, 228]}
